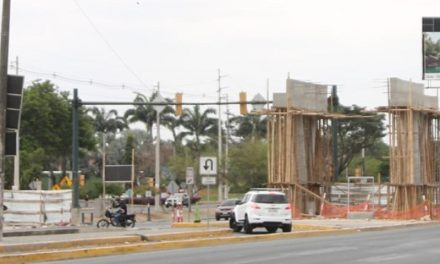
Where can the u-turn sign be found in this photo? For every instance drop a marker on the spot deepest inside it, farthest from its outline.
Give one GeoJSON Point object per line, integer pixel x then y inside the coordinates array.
{"type": "Point", "coordinates": [208, 166]}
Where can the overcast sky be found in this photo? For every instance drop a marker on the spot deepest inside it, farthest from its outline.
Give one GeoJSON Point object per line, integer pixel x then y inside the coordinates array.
{"type": "Point", "coordinates": [181, 44]}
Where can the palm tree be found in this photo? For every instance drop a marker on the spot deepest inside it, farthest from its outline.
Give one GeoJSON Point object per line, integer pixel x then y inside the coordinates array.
{"type": "Point", "coordinates": [173, 123]}
{"type": "Point", "coordinates": [145, 113]}
{"type": "Point", "coordinates": [198, 125]}
{"type": "Point", "coordinates": [249, 126]}
{"type": "Point", "coordinates": [107, 122]}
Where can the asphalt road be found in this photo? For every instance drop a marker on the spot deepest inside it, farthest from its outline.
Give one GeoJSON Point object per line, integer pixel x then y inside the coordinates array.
{"type": "Point", "coordinates": [410, 245]}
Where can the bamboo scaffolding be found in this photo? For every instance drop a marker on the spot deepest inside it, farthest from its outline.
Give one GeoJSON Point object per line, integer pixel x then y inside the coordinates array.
{"type": "Point", "coordinates": [414, 168]}
{"type": "Point", "coordinates": [300, 155]}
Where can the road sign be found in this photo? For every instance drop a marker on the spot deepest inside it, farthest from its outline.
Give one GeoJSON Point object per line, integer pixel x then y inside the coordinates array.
{"type": "Point", "coordinates": [208, 180]}
{"type": "Point", "coordinates": [189, 175]}
{"type": "Point", "coordinates": [208, 166]}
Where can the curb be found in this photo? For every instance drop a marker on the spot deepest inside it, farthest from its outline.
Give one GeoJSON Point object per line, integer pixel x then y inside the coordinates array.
{"type": "Point", "coordinates": [41, 232]}
{"type": "Point", "coordinates": [199, 225]}
{"type": "Point", "coordinates": [119, 240]}
{"type": "Point", "coordinates": [226, 225]}
{"type": "Point", "coordinates": [192, 235]}
{"type": "Point", "coordinates": [12, 248]}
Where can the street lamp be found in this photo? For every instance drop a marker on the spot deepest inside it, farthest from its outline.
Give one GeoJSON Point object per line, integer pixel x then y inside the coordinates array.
{"type": "Point", "coordinates": [158, 108]}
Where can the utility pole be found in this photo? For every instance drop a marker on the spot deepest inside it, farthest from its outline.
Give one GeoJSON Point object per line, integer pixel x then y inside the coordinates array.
{"type": "Point", "coordinates": [226, 186]}
{"type": "Point", "coordinates": [4, 46]}
{"type": "Point", "coordinates": [334, 108]}
{"type": "Point", "coordinates": [17, 144]}
{"type": "Point", "coordinates": [220, 182]}
{"type": "Point", "coordinates": [103, 172]}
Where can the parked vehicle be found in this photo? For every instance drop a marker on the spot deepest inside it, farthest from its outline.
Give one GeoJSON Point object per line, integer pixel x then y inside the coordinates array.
{"type": "Point", "coordinates": [182, 198]}
{"type": "Point", "coordinates": [128, 220]}
{"type": "Point", "coordinates": [262, 208]}
{"type": "Point", "coordinates": [150, 200]}
{"type": "Point", "coordinates": [225, 208]}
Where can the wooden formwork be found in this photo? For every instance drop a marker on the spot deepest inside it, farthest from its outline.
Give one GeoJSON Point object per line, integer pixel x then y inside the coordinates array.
{"type": "Point", "coordinates": [300, 155]}
{"type": "Point", "coordinates": [414, 150]}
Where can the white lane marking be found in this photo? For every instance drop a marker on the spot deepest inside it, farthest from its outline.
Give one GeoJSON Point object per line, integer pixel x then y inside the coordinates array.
{"type": "Point", "coordinates": [380, 259]}
{"type": "Point", "coordinates": [302, 253]}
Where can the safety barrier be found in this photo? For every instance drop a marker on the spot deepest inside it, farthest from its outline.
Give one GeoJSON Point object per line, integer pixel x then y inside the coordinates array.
{"type": "Point", "coordinates": [38, 207]}
{"type": "Point", "coordinates": [422, 211]}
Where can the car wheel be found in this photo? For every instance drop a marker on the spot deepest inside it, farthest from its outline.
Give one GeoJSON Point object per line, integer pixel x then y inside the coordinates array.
{"type": "Point", "coordinates": [247, 226]}
{"type": "Point", "coordinates": [234, 226]}
{"type": "Point", "coordinates": [287, 228]}
{"type": "Point", "coordinates": [217, 218]}
{"type": "Point", "coordinates": [271, 229]}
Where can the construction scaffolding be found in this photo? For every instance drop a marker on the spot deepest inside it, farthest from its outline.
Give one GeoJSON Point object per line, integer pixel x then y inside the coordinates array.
{"type": "Point", "coordinates": [414, 146]}
{"type": "Point", "coordinates": [300, 144]}
{"type": "Point", "coordinates": [300, 152]}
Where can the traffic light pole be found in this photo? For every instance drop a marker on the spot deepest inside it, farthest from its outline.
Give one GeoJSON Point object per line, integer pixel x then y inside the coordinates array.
{"type": "Point", "coordinates": [75, 189]}
{"type": "Point", "coordinates": [4, 45]}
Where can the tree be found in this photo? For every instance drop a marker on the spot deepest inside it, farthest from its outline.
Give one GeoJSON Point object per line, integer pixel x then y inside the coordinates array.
{"type": "Point", "coordinates": [129, 145]}
{"type": "Point", "coordinates": [248, 165]}
{"type": "Point", "coordinates": [357, 133]}
{"type": "Point", "coordinates": [249, 126]}
{"type": "Point", "coordinates": [145, 113]}
{"type": "Point", "coordinates": [173, 123]}
{"type": "Point", "coordinates": [46, 130]}
{"type": "Point", "coordinates": [106, 122]}
{"type": "Point", "coordinates": [199, 125]}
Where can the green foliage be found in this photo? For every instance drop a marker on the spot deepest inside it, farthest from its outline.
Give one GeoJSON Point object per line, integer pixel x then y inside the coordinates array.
{"type": "Point", "coordinates": [129, 145]}
{"type": "Point", "coordinates": [179, 163]}
{"type": "Point", "coordinates": [46, 131]}
{"type": "Point", "coordinates": [357, 133]}
{"type": "Point", "coordinates": [92, 188]}
{"type": "Point", "coordinates": [114, 189]}
{"type": "Point", "coordinates": [145, 113]}
{"type": "Point", "coordinates": [142, 189]}
{"type": "Point", "coordinates": [31, 166]}
{"type": "Point", "coordinates": [376, 161]}
{"type": "Point", "coordinates": [199, 125]}
{"type": "Point", "coordinates": [9, 172]}
{"type": "Point", "coordinates": [249, 126]}
{"type": "Point", "coordinates": [107, 121]}
{"type": "Point", "coordinates": [248, 165]}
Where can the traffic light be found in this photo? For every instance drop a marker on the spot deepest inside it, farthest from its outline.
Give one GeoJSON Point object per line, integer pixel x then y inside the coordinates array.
{"type": "Point", "coordinates": [82, 180]}
{"type": "Point", "coordinates": [243, 105]}
{"type": "Point", "coordinates": [13, 109]}
{"type": "Point", "coordinates": [178, 104]}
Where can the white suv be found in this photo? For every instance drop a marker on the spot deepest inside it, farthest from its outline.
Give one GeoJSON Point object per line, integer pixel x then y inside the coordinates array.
{"type": "Point", "coordinates": [262, 208]}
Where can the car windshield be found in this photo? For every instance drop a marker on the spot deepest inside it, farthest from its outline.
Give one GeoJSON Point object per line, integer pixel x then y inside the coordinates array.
{"type": "Point", "coordinates": [228, 203]}
{"type": "Point", "coordinates": [270, 198]}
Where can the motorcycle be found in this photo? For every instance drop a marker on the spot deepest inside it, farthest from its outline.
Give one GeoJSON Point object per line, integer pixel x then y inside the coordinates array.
{"type": "Point", "coordinates": [128, 220]}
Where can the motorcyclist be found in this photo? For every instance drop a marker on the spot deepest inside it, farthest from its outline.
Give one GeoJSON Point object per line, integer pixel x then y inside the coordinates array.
{"type": "Point", "coordinates": [121, 211]}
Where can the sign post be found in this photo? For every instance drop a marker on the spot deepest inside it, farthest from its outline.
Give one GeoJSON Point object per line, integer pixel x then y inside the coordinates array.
{"type": "Point", "coordinates": [189, 182]}
{"type": "Point", "coordinates": [208, 166]}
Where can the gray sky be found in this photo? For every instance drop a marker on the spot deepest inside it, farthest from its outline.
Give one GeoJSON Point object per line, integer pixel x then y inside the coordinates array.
{"type": "Point", "coordinates": [182, 43]}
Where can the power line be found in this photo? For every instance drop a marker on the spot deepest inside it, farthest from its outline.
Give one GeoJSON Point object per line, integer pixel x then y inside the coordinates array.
{"type": "Point", "coordinates": [109, 45]}
{"type": "Point", "coordinates": [85, 81]}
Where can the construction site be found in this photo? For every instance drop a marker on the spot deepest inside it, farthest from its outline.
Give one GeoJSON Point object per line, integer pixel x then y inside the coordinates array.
{"type": "Point", "coordinates": [301, 159]}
